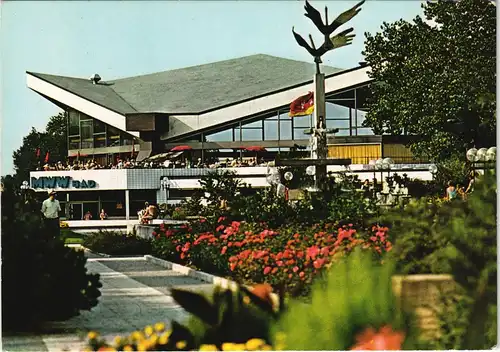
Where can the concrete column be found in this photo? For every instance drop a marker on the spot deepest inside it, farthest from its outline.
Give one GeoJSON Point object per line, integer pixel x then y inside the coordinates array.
{"type": "Point", "coordinates": [127, 204]}
{"type": "Point", "coordinates": [67, 206]}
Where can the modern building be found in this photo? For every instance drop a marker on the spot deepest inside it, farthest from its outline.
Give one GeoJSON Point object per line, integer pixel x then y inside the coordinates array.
{"type": "Point", "coordinates": [215, 110]}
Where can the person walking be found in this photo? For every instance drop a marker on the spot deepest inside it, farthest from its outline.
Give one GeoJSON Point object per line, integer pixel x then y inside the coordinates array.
{"type": "Point", "coordinates": [50, 211]}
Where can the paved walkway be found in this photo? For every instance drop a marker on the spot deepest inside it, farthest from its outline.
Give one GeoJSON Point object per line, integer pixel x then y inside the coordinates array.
{"type": "Point", "coordinates": [135, 293]}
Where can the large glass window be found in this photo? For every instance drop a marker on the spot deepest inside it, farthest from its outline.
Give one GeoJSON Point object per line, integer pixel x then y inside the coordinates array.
{"type": "Point", "coordinates": [74, 123]}
{"type": "Point", "coordinates": [365, 131]}
{"type": "Point", "coordinates": [298, 133]}
{"type": "Point", "coordinates": [334, 111]}
{"type": "Point", "coordinates": [74, 142]}
{"type": "Point", "coordinates": [285, 131]}
{"type": "Point", "coordinates": [100, 140]}
{"type": "Point", "coordinates": [302, 121]}
{"type": "Point", "coordinates": [256, 124]}
{"type": "Point", "coordinates": [270, 130]}
{"type": "Point", "coordinates": [251, 134]}
{"type": "Point", "coordinates": [87, 134]}
{"type": "Point", "coordinates": [113, 137]}
{"type": "Point", "coordinates": [337, 123]}
{"type": "Point", "coordinates": [222, 136]}
{"type": "Point", "coordinates": [99, 127]}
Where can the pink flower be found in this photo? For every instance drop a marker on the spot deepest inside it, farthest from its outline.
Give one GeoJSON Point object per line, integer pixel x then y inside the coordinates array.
{"type": "Point", "coordinates": [295, 269]}
{"type": "Point", "coordinates": [224, 249]}
{"type": "Point", "coordinates": [267, 270]}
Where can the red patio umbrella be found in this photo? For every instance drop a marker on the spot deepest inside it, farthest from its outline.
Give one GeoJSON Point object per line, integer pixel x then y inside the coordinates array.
{"type": "Point", "coordinates": [181, 148]}
{"type": "Point", "coordinates": [256, 148]}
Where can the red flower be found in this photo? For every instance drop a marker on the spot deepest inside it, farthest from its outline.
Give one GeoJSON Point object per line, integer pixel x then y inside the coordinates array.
{"type": "Point", "coordinates": [267, 270]}
{"type": "Point", "coordinates": [325, 251]}
{"type": "Point", "coordinates": [301, 274]}
{"type": "Point", "coordinates": [274, 271]}
{"type": "Point", "coordinates": [312, 252]}
{"type": "Point", "coordinates": [384, 340]}
{"type": "Point", "coordinates": [232, 266]}
{"type": "Point", "coordinates": [318, 263]}
{"type": "Point", "coordinates": [224, 249]}
{"type": "Point", "coordinates": [219, 228]}
{"type": "Point", "coordinates": [221, 219]}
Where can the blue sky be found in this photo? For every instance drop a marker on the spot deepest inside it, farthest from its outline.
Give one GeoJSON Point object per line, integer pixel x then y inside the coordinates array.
{"type": "Point", "coordinates": [127, 38]}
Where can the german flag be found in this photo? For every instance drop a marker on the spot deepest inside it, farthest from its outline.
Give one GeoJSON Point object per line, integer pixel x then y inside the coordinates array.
{"type": "Point", "coordinates": [302, 106]}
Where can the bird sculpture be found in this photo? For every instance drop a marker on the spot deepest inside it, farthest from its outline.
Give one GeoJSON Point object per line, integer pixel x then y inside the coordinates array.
{"type": "Point", "coordinates": [330, 42]}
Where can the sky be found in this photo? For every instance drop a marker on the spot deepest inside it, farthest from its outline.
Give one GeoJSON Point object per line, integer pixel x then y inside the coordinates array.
{"type": "Point", "coordinates": [127, 38]}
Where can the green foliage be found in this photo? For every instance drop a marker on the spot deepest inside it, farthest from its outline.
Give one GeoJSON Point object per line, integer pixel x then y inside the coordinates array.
{"type": "Point", "coordinates": [52, 140]}
{"type": "Point", "coordinates": [340, 202]}
{"type": "Point", "coordinates": [453, 169]}
{"type": "Point", "coordinates": [458, 238]}
{"type": "Point", "coordinates": [54, 283]}
{"type": "Point", "coordinates": [452, 65]}
{"type": "Point", "coordinates": [117, 243]}
{"type": "Point", "coordinates": [417, 247]}
{"type": "Point", "coordinates": [357, 294]}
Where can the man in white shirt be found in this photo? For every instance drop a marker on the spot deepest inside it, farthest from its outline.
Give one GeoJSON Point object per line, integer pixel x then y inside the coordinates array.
{"type": "Point", "coordinates": [50, 211]}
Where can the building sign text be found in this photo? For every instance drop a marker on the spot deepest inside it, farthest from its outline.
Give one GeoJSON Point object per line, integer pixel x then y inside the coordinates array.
{"type": "Point", "coordinates": [61, 182]}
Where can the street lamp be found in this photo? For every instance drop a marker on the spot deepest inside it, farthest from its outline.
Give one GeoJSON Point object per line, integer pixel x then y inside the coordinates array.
{"type": "Point", "coordinates": [165, 185]}
{"type": "Point", "coordinates": [482, 155]}
{"type": "Point", "coordinates": [433, 170]}
{"type": "Point", "coordinates": [382, 165]}
{"type": "Point", "coordinates": [24, 188]}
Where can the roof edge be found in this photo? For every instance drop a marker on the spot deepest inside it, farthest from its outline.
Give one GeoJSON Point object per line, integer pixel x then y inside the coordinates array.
{"type": "Point", "coordinates": [35, 74]}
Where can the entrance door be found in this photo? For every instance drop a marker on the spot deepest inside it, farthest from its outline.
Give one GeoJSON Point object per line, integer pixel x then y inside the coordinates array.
{"type": "Point", "coordinates": [76, 211]}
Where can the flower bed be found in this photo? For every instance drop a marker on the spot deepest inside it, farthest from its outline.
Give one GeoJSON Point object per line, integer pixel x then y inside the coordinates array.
{"type": "Point", "coordinates": [250, 253]}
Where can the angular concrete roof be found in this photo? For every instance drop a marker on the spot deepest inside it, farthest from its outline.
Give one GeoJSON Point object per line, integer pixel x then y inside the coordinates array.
{"type": "Point", "coordinates": [195, 89]}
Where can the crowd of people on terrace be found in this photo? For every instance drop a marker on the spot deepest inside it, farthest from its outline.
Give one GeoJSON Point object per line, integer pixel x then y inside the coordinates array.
{"type": "Point", "coordinates": [131, 163]}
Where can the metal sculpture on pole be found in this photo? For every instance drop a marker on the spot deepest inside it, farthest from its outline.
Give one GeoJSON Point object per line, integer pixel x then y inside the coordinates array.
{"type": "Point", "coordinates": [319, 149]}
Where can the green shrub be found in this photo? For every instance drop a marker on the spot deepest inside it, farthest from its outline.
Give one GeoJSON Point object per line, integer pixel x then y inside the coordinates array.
{"type": "Point", "coordinates": [42, 279]}
{"type": "Point", "coordinates": [458, 238]}
{"type": "Point", "coordinates": [117, 243]}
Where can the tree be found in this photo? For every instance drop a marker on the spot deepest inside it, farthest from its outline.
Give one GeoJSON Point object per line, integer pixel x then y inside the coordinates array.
{"type": "Point", "coordinates": [436, 82]}
{"type": "Point", "coordinates": [53, 140]}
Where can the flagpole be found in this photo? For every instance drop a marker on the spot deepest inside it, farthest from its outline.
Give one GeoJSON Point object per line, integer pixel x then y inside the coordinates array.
{"type": "Point", "coordinates": [319, 147]}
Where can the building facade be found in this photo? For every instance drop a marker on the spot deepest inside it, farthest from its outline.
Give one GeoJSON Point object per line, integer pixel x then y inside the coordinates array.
{"type": "Point", "coordinates": [215, 111]}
